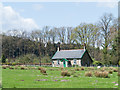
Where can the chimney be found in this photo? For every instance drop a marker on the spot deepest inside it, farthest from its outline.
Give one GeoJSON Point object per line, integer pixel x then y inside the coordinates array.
{"type": "Point", "coordinates": [58, 46]}
{"type": "Point", "coordinates": [84, 46]}
{"type": "Point", "coordinates": [58, 49]}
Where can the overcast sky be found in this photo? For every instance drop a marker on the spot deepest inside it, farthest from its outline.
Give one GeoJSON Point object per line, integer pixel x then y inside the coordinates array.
{"type": "Point", "coordinates": [29, 16]}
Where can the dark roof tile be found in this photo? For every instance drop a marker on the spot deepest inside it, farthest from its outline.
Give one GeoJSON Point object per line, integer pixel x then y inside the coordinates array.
{"type": "Point", "coordinates": [77, 53]}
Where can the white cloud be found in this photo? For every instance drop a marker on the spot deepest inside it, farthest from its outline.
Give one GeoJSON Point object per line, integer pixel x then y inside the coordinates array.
{"type": "Point", "coordinates": [37, 7]}
{"type": "Point", "coordinates": [12, 20]}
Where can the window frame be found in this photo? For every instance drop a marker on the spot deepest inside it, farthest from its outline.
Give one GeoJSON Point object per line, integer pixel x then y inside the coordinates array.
{"type": "Point", "coordinates": [58, 62]}
{"type": "Point", "coordinates": [75, 61]}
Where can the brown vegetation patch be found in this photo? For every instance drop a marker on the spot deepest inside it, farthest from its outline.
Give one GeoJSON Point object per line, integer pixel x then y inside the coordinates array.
{"type": "Point", "coordinates": [65, 73]}
{"type": "Point", "coordinates": [115, 70]}
{"type": "Point", "coordinates": [82, 68]}
{"type": "Point", "coordinates": [77, 69]}
{"type": "Point", "coordinates": [11, 68]}
{"type": "Point", "coordinates": [62, 68]}
{"type": "Point", "coordinates": [110, 72]}
{"type": "Point", "coordinates": [43, 70]}
{"type": "Point", "coordinates": [22, 68]}
{"type": "Point", "coordinates": [40, 68]}
{"type": "Point", "coordinates": [101, 74]}
{"type": "Point", "coordinates": [4, 67]}
{"type": "Point", "coordinates": [88, 74]}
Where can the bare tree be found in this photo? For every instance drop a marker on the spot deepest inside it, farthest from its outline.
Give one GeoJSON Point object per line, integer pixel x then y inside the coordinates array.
{"type": "Point", "coordinates": [69, 31]}
{"type": "Point", "coordinates": [104, 24]}
{"type": "Point", "coordinates": [53, 34]}
{"type": "Point", "coordinates": [61, 34]}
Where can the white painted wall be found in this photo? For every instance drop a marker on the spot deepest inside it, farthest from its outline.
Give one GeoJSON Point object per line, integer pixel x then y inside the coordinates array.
{"type": "Point", "coordinates": [78, 62]}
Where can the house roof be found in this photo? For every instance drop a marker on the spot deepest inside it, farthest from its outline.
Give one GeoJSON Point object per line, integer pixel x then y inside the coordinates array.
{"type": "Point", "coordinates": [71, 54]}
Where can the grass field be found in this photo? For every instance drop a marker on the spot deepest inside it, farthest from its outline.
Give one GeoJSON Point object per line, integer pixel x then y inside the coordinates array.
{"type": "Point", "coordinates": [17, 78]}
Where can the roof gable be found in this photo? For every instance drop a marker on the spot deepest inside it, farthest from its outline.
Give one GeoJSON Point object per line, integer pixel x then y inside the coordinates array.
{"type": "Point", "coordinates": [78, 53]}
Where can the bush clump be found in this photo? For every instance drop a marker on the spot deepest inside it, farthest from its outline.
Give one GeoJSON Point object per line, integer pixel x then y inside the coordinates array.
{"type": "Point", "coordinates": [103, 69]}
{"type": "Point", "coordinates": [77, 69]}
{"type": "Point", "coordinates": [88, 74]}
{"type": "Point", "coordinates": [82, 68]}
{"type": "Point", "coordinates": [65, 73]}
{"type": "Point", "coordinates": [115, 70]}
{"type": "Point", "coordinates": [62, 68]}
{"type": "Point", "coordinates": [4, 67]}
{"type": "Point", "coordinates": [110, 72]}
{"type": "Point", "coordinates": [11, 68]}
{"type": "Point", "coordinates": [22, 68]}
{"type": "Point", "coordinates": [40, 68]}
{"type": "Point", "coordinates": [111, 68]}
{"type": "Point", "coordinates": [101, 74]}
{"type": "Point", "coordinates": [43, 71]}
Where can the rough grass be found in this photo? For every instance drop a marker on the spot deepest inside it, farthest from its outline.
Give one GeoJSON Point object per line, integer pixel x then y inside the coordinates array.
{"type": "Point", "coordinates": [32, 78]}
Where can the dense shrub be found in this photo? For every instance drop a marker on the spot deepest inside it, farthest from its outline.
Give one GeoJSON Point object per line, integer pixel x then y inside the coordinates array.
{"type": "Point", "coordinates": [22, 68]}
{"type": "Point", "coordinates": [65, 73]}
{"type": "Point", "coordinates": [111, 68]}
{"type": "Point", "coordinates": [110, 71]}
{"type": "Point", "coordinates": [4, 67]}
{"type": "Point", "coordinates": [88, 74]}
{"type": "Point", "coordinates": [40, 68]}
{"type": "Point", "coordinates": [73, 65]}
{"type": "Point", "coordinates": [115, 70]}
{"type": "Point", "coordinates": [77, 69]}
{"type": "Point", "coordinates": [102, 69]}
{"type": "Point", "coordinates": [11, 68]}
{"type": "Point", "coordinates": [104, 74]}
{"type": "Point", "coordinates": [101, 74]}
{"type": "Point", "coordinates": [97, 74]}
{"type": "Point", "coordinates": [27, 59]}
{"type": "Point", "coordinates": [43, 70]}
{"type": "Point", "coordinates": [62, 68]}
{"type": "Point", "coordinates": [82, 68]}
{"type": "Point", "coordinates": [97, 63]}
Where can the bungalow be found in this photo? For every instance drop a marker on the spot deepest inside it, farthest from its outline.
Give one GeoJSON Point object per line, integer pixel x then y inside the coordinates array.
{"type": "Point", "coordinates": [68, 58]}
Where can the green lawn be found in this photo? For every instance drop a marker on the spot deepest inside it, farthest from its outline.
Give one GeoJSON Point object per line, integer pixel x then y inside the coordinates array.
{"type": "Point", "coordinates": [34, 79]}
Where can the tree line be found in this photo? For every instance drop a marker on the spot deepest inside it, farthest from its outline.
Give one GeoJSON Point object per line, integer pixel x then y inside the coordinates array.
{"type": "Point", "coordinates": [101, 40]}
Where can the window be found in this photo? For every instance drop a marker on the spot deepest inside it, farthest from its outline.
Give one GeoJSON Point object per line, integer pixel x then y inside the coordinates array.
{"type": "Point", "coordinates": [75, 61]}
{"type": "Point", "coordinates": [58, 62]}
{"type": "Point", "coordinates": [53, 62]}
